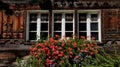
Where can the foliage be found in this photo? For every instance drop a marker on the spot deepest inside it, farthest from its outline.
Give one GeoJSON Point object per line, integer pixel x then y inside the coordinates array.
{"type": "Point", "coordinates": [72, 52]}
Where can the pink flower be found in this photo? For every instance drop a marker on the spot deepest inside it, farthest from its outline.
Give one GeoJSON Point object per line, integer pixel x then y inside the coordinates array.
{"type": "Point", "coordinates": [91, 53]}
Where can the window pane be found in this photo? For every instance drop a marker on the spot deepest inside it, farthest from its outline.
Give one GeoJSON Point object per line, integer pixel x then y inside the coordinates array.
{"type": "Point", "coordinates": [83, 34]}
{"type": "Point", "coordinates": [33, 17]}
{"type": "Point", "coordinates": [57, 17]}
{"type": "Point", "coordinates": [44, 17]}
{"type": "Point", "coordinates": [69, 17]}
{"type": "Point", "coordinates": [44, 26]}
{"type": "Point", "coordinates": [33, 26]}
{"type": "Point", "coordinates": [82, 26]}
{"type": "Point", "coordinates": [57, 26]}
{"type": "Point", "coordinates": [94, 34]}
{"type": "Point", "coordinates": [94, 26]}
{"type": "Point", "coordinates": [69, 26]}
{"type": "Point", "coordinates": [32, 35]}
{"type": "Point", "coordinates": [82, 17]}
{"type": "Point", "coordinates": [94, 17]}
{"type": "Point", "coordinates": [44, 35]}
{"type": "Point", "coordinates": [69, 34]}
{"type": "Point", "coordinates": [57, 33]}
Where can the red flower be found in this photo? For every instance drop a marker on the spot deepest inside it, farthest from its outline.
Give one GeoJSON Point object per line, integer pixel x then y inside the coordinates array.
{"type": "Point", "coordinates": [69, 49]}
{"type": "Point", "coordinates": [63, 44]}
{"type": "Point", "coordinates": [48, 61]}
{"type": "Point", "coordinates": [34, 49]}
{"type": "Point", "coordinates": [76, 57]}
{"type": "Point", "coordinates": [78, 49]}
{"type": "Point", "coordinates": [71, 53]}
{"type": "Point", "coordinates": [56, 47]}
{"type": "Point", "coordinates": [60, 55]}
{"type": "Point", "coordinates": [88, 45]}
{"type": "Point", "coordinates": [51, 40]}
{"type": "Point", "coordinates": [74, 45]}
{"type": "Point", "coordinates": [30, 48]}
{"type": "Point", "coordinates": [60, 48]}
{"type": "Point", "coordinates": [55, 52]}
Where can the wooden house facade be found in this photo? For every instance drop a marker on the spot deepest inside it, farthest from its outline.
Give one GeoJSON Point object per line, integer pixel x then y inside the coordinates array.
{"type": "Point", "coordinates": [35, 19]}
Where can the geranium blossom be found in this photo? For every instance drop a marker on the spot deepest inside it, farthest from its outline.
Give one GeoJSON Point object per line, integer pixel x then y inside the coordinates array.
{"type": "Point", "coordinates": [56, 52]}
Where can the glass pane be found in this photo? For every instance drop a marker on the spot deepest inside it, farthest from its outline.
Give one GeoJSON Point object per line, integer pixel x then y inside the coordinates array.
{"type": "Point", "coordinates": [82, 17]}
{"type": "Point", "coordinates": [69, 26]}
{"type": "Point", "coordinates": [82, 26]}
{"type": "Point", "coordinates": [33, 26]}
{"type": "Point", "coordinates": [32, 36]}
{"type": "Point", "coordinates": [57, 26]}
{"type": "Point", "coordinates": [44, 35]}
{"type": "Point", "coordinates": [94, 26]}
{"type": "Point", "coordinates": [69, 17]}
{"type": "Point", "coordinates": [69, 34]}
{"type": "Point", "coordinates": [94, 17]}
{"type": "Point", "coordinates": [82, 34]}
{"type": "Point", "coordinates": [57, 17]}
{"type": "Point", "coordinates": [33, 17]}
{"type": "Point", "coordinates": [57, 33]}
{"type": "Point", "coordinates": [44, 17]}
{"type": "Point", "coordinates": [44, 26]}
{"type": "Point", "coordinates": [94, 34]}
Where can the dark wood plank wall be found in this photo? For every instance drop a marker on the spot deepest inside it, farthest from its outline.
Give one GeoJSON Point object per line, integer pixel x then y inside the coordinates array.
{"type": "Point", "coordinates": [110, 24]}
{"type": "Point", "coordinates": [14, 27]}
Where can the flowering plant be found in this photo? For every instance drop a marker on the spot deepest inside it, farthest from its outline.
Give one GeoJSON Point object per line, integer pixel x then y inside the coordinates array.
{"type": "Point", "coordinates": [64, 52]}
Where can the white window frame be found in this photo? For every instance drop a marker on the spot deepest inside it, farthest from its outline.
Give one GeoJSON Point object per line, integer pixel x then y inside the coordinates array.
{"type": "Point", "coordinates": [63, 12]}
{"type": "Point", "coordinates": [38, 35]}
{"type": "Point", "coordinates": [88, 12]}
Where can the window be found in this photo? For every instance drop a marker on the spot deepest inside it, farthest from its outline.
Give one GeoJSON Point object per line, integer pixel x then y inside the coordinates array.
{"type": "Point", "coordinates": [38, 25]}
{"type": "Point", "coordinates": [89, 24]}
{"type": "Point", "coordinates": [63, 23]}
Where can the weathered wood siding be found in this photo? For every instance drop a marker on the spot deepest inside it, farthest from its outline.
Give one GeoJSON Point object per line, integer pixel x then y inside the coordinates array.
{"type": "Point", "coordinates": [12, 26]}
{"type": "Point", "coordinates": [110, 24]}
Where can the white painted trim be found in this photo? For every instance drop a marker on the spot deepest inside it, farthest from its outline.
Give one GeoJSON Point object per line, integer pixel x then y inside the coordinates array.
{"type": "Point", "coordinates": [99, 26]}
{"type": "Point", "coordinates": [74, 23]}
{"type": "Point", "coordinates": [89, 21]}
{"type": "Point", "coordinates": [38, 12]}
{"type": "Point", "coordinates": [63, 12]}
{"type": "Point", "coordinates": [88, 27]}
{"type": "Point", "coordinates": [63, 25]}
{"type": "Point", "coordinates": [38, 26]}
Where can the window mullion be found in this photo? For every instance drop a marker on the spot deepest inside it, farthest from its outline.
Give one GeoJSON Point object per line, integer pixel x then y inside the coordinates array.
{"type": "Point", "coordinates": [38, 26]}
{"type": "Point", "coordinates": [73, 23]}
{"type": "Point", "coordinates": [99, 26]}
{"type": "Point", "coordinates": [88, 27]}
{"type": "Point", "coordinates": [63, 25]}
